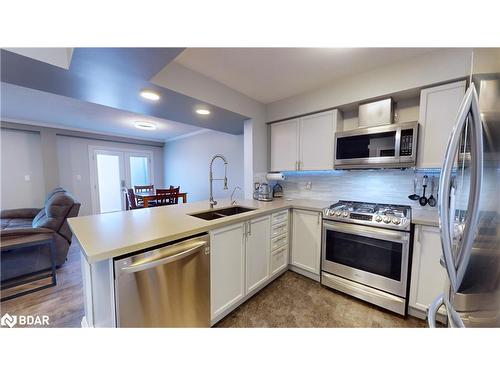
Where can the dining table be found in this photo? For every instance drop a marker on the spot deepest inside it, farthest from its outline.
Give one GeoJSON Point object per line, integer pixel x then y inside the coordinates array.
{"type": "Point", "coordinates": [151, 195]}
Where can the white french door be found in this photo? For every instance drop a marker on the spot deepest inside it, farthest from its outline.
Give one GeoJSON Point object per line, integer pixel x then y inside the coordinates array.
{"type": "Point", "coordinates": [113, 171]}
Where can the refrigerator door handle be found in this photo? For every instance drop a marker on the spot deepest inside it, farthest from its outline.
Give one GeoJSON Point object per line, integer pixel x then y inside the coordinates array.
{"type": "Point", "coordinates": [453, 317]}
{"type": "Point", "coordinates": [433, 308]}
{"type": "Point", "coordinates": [469, 108]}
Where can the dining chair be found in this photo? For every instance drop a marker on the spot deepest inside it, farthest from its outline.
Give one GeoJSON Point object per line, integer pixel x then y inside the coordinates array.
{"type": "Point", "coordinates": [131, 202]}
{"type": "Point", "coordinates": [144, 188]}
{"type": "Point", "coordinates": [168, 196]}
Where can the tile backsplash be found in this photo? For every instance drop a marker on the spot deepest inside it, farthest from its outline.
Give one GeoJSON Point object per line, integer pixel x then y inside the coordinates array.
{"type": "Point", "coordinates": [380, 186]}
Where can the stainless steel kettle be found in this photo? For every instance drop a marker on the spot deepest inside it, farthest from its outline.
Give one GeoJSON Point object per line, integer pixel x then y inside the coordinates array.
{"type": "Point", "coordinates": [262, 192]}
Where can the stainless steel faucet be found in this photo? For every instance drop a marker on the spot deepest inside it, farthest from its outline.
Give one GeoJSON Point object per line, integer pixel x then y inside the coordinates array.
{"type": "Point", "coordinates": [211, 178]}
{"type": "Point", "coordinates": [234, 190]}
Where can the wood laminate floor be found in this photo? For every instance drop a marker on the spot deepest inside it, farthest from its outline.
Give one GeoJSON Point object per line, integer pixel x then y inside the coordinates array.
{"type": "Point", "coordinates": [290, 301]}
{"type": "Point", "coordinates": [63, 303]}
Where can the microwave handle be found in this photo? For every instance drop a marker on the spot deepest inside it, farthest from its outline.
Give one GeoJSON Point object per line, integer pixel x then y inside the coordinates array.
{"type": "Point", "coordinates": [397, 145]}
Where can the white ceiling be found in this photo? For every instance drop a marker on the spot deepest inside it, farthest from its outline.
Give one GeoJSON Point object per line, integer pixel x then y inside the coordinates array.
{"type": "Point", "coordinates": [271, 74]}
{"type": "Point", "coordinates": [38, 107]}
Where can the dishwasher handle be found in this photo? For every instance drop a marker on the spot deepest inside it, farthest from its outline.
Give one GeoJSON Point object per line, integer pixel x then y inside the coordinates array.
{"type": "Point", "coordinates": [166, 255]}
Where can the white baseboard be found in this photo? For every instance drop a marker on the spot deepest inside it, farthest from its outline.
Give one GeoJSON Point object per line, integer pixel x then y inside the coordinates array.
{"type": "Point", "coordinates": [305, 273]}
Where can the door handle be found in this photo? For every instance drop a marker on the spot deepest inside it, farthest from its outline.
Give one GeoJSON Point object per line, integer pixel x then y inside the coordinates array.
{"type": "Point", "coordinates": [469, 109]}
{"type": "Point", "coordinates": [170, 254]}
{"type": "Point", "coordinates": [453, 316]}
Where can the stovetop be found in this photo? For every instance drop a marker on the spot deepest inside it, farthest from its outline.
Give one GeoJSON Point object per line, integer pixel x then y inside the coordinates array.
{"type": "Point", "coordinates": [374, 214]}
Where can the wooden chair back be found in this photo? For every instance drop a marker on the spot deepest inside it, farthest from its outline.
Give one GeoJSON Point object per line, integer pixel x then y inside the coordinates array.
{"type": "Point", "coordinates": [168, 196]}
{"type": "Point", "coordinates": [131, 203]}
{"type": "Point", "coordinates": [143, 188]}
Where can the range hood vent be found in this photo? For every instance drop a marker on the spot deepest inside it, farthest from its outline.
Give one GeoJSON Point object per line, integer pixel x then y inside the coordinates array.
{"type": "Point", "coordinates": [376, 113]}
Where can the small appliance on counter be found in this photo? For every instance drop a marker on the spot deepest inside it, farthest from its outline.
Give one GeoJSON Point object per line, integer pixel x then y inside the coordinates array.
{"type": "Point", "coordinates": [277, 190]}
{"type": "Point", "coordinates": [262, 192]}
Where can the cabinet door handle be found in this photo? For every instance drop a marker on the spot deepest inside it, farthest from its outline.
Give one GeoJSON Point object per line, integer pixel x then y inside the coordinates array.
{"type": "Point", "coordinates": [249, 228]}
{"type": "Point", "coordinates": [319, 217]}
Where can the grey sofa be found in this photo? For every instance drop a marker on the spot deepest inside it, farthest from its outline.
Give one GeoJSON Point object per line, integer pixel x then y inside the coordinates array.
{"type": "Point", "coordinates": [24, 222]}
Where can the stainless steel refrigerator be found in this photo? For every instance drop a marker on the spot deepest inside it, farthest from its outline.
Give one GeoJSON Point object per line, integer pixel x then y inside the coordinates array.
{"type": "Point", "coordinates": [469, 211]}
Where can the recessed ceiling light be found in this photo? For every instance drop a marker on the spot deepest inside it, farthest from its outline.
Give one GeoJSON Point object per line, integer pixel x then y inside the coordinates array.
{"type": "Point", "coordinates": [150, 95]}
{"type": "Point", "coordinates": [202, 111]}
{"type": "Point", "coordinates": [145, 125]}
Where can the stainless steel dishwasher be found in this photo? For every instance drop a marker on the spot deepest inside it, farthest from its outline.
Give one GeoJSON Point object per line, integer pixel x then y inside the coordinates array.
{"type": "Point", "coordinates": [166, 286]}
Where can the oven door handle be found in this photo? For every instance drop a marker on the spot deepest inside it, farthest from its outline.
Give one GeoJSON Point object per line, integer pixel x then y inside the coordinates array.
{"type": "Point", "coordinates": [363, 231]}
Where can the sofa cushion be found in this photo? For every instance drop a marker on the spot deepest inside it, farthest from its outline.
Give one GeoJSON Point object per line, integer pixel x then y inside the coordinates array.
{"type": "Point", "coordinates": [15, 223]}
{"type": "Point", "coordinates": [57, 206]}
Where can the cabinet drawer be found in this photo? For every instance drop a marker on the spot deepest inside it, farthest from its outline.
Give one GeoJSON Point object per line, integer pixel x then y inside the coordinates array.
{"type": "Point", "coordinates": [279, 229]}
{"type": "Point", "coordinates": [279, 260]}
{"type": "Point", "coordinates": [279, 241]}
{"type": "Point", "coordinates": [279, 217]}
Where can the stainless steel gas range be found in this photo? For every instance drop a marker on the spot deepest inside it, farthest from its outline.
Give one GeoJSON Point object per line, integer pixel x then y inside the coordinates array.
{"type": "Point", "coordinates": [366, 252]}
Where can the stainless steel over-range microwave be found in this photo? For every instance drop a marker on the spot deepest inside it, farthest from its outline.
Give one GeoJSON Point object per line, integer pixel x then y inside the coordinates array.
{"type": "Point", "coordinates": [386, 146]}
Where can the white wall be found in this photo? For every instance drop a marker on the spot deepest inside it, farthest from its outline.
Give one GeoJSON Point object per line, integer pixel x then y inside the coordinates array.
{"type": "Point", "coordinates": [21, 155]}
{"type": "Point", "coordinates": [188, 82]}
{"type": "Point", "coordinates": [428, 69]}
{"type": "Point", "coordinates": [186, 163]}
{"type": "Point", "coordinates": [405, 110]}
{"type": "Point", "coordinates": [74, 161]}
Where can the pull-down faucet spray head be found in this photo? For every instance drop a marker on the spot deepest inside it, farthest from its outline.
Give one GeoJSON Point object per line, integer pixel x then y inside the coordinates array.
{"type": "Point", "coordinates": [225, 175]}
{"type": "Point", "coordinates": [211, 178]}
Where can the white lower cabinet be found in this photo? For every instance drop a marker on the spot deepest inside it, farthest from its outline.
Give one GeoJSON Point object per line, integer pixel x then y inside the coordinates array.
{"type": "Point", "coordinates": [227, 267]}
{"type": "Point", "coordinates": [258, 248]}
{"type": "Point", "coordinates": [279, 260]}
{"type": "Point", "coordinates": [306, 241]}
{"type": "Point", "coordinates": [428, 277]}
{"type": "Point", "coordinates": [242, 261]}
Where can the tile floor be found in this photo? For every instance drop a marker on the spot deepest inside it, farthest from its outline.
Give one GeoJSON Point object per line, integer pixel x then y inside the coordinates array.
{"type": "Point", "coordinates": [296, 301]}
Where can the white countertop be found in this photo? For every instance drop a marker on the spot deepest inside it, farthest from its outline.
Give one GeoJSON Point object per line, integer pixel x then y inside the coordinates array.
{"type": "Point", "coordinates": [425, 216]}
{"type": "Point", "coordinates": [114, 234]}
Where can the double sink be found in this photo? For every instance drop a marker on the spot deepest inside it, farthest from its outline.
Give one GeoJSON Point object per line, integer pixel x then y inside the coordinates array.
{"type": "Point", "coordinates": [222, 212]}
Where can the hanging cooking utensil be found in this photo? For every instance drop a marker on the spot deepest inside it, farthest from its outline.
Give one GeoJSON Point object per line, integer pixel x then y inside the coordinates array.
{"type": "Point", "coordinates": [423, 198]}
{"type": "Point", "coordinates": [414, 196]}
{"type": "Point", "coordinates": [432, 201]}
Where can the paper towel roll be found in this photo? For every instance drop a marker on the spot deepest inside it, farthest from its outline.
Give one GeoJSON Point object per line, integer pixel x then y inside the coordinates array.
{"type": "Point", "coordinates": [275, 176]}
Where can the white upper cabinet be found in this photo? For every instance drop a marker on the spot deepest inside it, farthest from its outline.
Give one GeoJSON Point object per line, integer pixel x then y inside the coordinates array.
{"type": "Point", "coordinates": [306, 143]}
{"type": "Point", "coordinates": [438, 111]}
{"type": "Point", "coordinates": [317, 141]}
{"type": "Point", "coordinates": [284, 145]}
{"type": "Point", "coordinates": [258, 251]}
{"type": "Point", "coordinates": [306, 240]}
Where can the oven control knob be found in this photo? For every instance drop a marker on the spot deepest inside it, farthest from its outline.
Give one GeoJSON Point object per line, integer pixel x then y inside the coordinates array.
{"type": "Point", "coordinates": [338, 213]}
{"type": "Point", "coordinates": [396, 221]}
{"type": "Point", "coordinates": [378, 218]}
{"type": "Point", "coordinates": [387, 219]}
{"type": "Point", "coordinates": [345, 214]}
